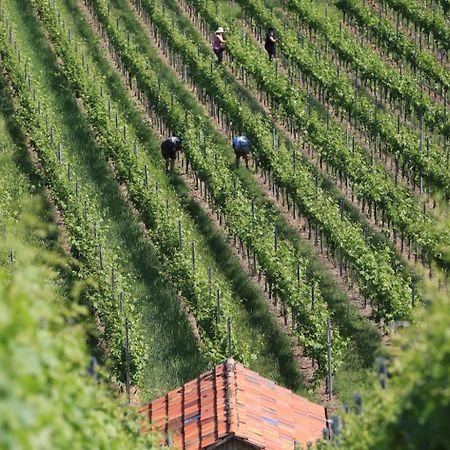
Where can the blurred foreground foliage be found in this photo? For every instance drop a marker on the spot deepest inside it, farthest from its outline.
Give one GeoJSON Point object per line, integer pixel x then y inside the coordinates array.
{"type": "Point", "coordinates": [47, 398]}
{"type": "Point", "coordinates": [413, 411]}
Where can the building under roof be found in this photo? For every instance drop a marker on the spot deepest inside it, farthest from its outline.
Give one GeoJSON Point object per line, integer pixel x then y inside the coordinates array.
{"type": "Point", "coordinates": [231, 407]}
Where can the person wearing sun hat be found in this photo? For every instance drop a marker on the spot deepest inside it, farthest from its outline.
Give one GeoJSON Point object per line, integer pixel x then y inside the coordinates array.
{"type": "Point", "coordinates": [218, 44]}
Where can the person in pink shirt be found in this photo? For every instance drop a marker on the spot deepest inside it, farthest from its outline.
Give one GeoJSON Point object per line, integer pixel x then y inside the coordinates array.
{"type": "Point", "coordinates": [219, 44]}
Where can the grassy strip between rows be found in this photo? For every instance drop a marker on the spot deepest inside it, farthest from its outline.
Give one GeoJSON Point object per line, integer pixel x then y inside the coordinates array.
{"type": "Point", "coordinates": [125, 157]}
{"type": "Point", "coordinates": [161, 219]}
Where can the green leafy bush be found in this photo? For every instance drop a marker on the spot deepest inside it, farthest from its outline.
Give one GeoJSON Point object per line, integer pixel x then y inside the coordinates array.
{"type": "Point", "coordinates": [413, 412]}
{"type": "Point", "coordinates": [47, 400]}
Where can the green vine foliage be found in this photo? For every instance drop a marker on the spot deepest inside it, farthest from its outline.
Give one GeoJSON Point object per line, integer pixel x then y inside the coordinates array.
{"type": "Point", "coordinates": [339, 90]}
{"type": "Point", "coordinates": [396, 43]}
{"type": "Point", "coordinates": [160, 220]}
{"type": "Point", "coordinates": [79, 218]}
{"type": "Point", "coordinates": [289, 172]}
{"type": "Point", "coordinates": [372, 182]}
{"type": "Point", "coordinates": [252, 224]}
{"type": "Point", "coordinates": [428, 20]}
{"type": "Point", "coordinates": [370, 67]}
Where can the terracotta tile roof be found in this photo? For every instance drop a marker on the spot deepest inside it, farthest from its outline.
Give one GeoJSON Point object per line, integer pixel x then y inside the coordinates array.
{"type": "Point", "coordinates": [232, 400]}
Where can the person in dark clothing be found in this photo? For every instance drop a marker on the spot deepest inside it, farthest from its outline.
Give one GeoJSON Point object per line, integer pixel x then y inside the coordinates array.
{"type": "Point", "coordinates": [169, 149]}
{"type": "Point", "coordinates": [241, 147]}
{"type": "Point", "coordinates": [270, 43]}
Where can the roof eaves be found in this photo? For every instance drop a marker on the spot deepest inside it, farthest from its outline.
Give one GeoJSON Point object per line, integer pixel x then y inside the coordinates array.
{"type": "Point", "coordinates": [235, 437]}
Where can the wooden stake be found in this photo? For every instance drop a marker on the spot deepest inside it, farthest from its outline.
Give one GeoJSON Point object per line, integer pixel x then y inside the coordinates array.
{"type": "Point", "coordinates": [330, 377]}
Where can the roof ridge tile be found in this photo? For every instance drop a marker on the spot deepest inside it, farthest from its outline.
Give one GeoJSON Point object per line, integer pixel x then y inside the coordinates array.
{"type": "Point", "coordinates": [230, 390]}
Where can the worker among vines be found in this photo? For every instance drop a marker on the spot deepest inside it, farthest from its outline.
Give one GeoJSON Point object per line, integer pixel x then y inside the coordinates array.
{"type": "Point", "coordinates": [241, 147]}
{"type": "Point", "coordinates": [270, 43]}
{"type": "Point", "coordinates": [169, 149]}
{"type": "Point", "coordinates": [219, 44]}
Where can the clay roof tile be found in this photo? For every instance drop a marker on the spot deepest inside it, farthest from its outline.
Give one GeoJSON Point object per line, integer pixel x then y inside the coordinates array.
{"type": "Point", "coordinates": [232, 400]}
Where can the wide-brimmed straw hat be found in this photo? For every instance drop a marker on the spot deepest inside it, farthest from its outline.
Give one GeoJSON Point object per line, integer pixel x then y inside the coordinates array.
{"type": "Point", "coordinates": [220, 30]}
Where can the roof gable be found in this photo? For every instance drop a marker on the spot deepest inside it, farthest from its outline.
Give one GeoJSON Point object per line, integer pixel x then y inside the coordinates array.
{"type": "Point", "coordinates": [231, 400]}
